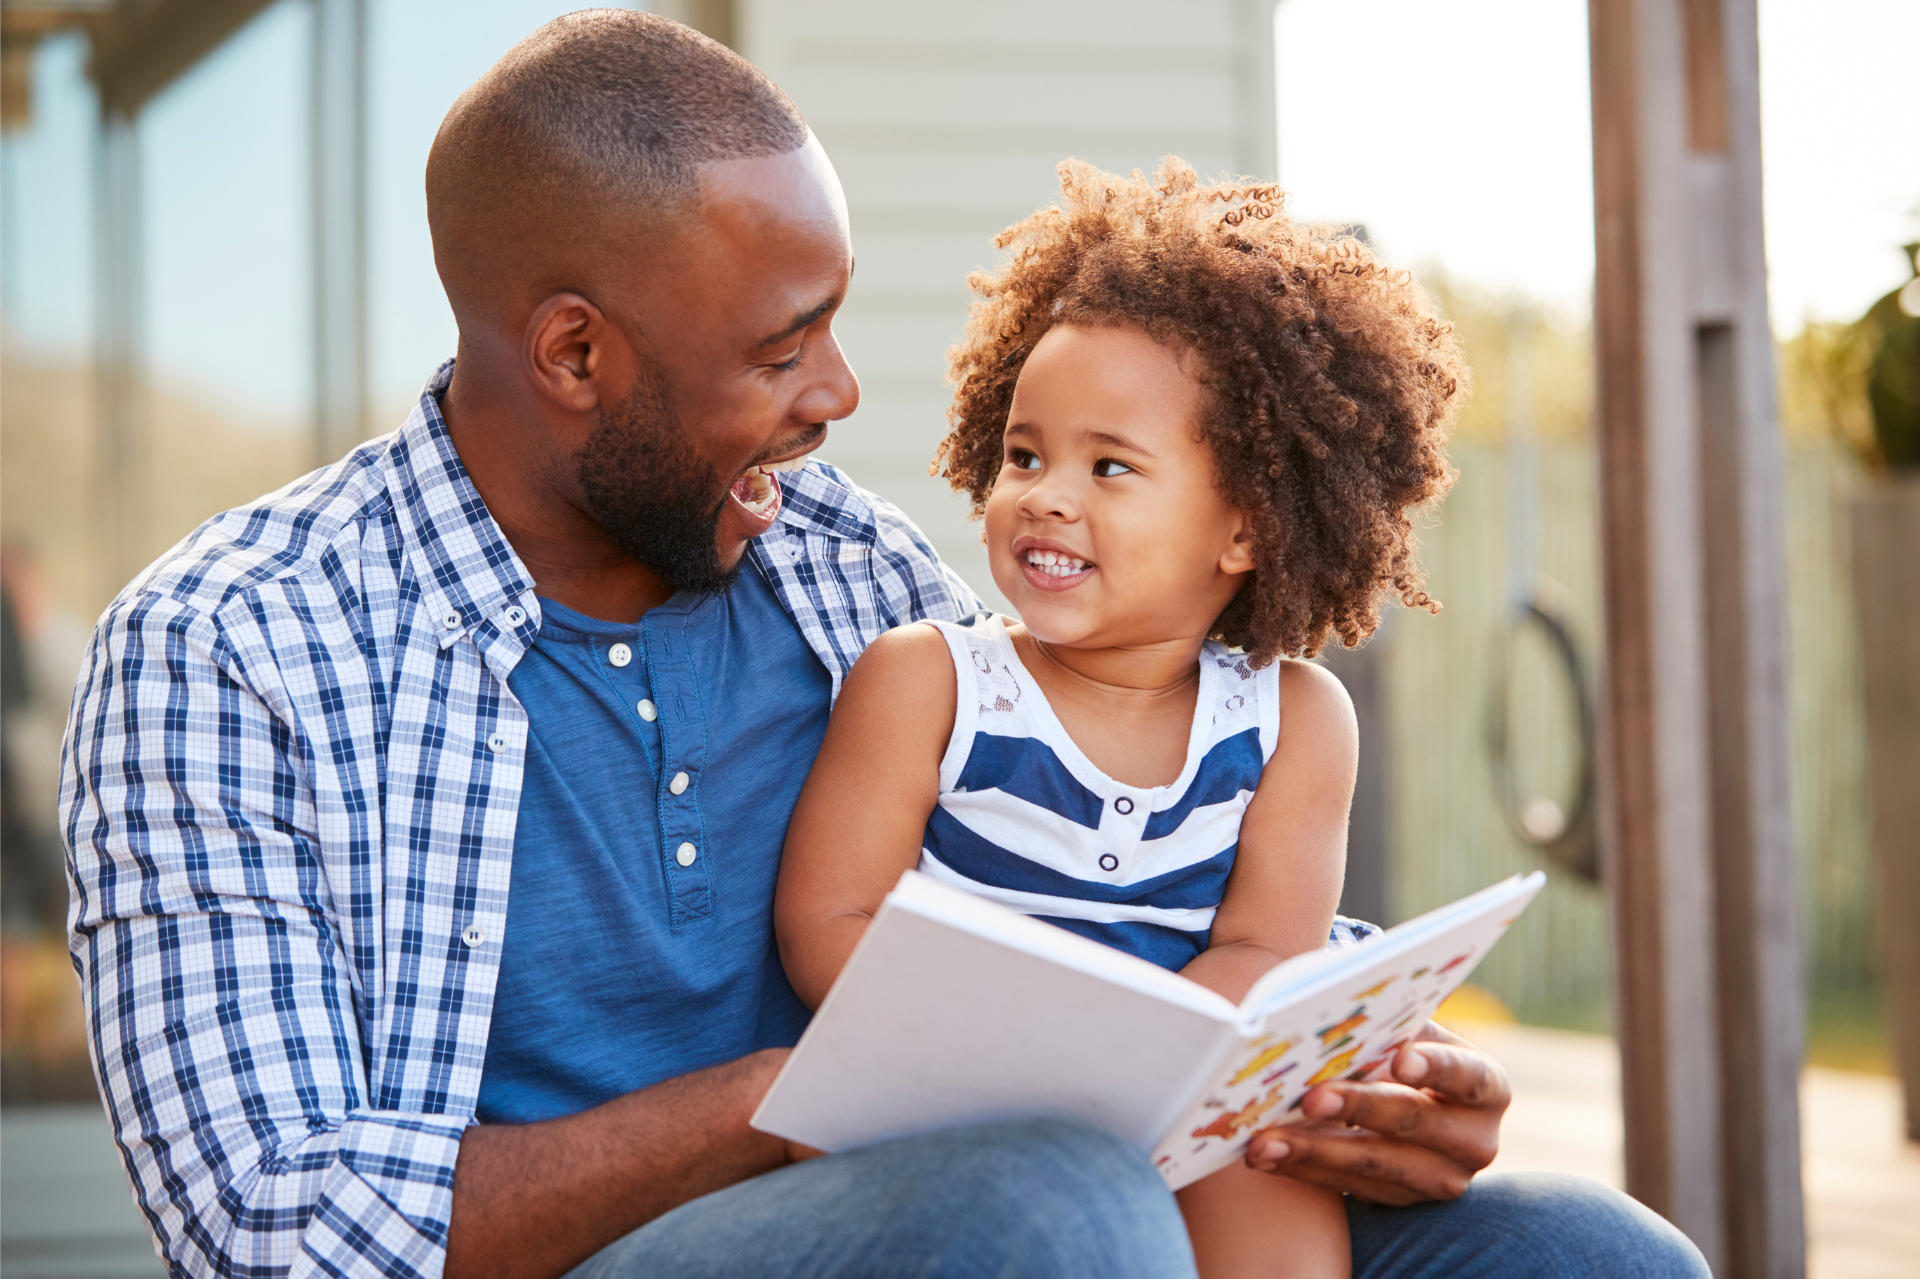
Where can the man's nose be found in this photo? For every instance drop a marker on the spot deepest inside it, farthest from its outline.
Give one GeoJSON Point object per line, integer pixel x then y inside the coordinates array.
{"type": "Point", "coordinates": [833, 392]}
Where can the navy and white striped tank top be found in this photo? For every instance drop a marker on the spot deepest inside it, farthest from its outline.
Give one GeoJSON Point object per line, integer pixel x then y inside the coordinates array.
{"type": "Point", "coordinates": [1026, 820]}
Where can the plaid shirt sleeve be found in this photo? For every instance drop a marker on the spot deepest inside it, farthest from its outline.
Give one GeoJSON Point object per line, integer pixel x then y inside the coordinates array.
{"type": "Point", "coordinates": [220, 1000]}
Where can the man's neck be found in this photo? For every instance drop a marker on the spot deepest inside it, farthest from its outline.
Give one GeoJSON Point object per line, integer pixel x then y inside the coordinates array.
{"type": "Point", "coordinates": [512, 465]}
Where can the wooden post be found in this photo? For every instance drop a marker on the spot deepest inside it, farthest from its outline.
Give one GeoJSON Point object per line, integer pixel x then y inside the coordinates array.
{"type": "Point", "coordinates": [1698, 831]}
{"type": "Point", "coordinates": [1886, 576]}
{"type": "Point", "coordinates": [339, 169]}
{"type": "Point", "coordinates": [122, 453]}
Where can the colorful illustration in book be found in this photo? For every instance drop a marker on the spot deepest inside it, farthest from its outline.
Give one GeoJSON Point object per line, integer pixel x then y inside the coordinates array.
{"type": "Point", "coordinates": [1454, 963]}
{"type": "Point", "coordinates": [1374, 989]}
{"type": "Point", "coordinates": [1276, 1074]}
{"type": "Point", "coordinates": [1335, 1067]}
{"type": "Point", "coordinates": [1246, 1117]}
{"type": "Point", "coordinates": [1261, 1060]}
{"type": "Point", "coordinates": [1339, 1029]}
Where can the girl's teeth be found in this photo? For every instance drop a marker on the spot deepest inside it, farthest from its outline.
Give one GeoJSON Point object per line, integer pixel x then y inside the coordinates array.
{"type": "Point", "coordinates": [1054, 564]}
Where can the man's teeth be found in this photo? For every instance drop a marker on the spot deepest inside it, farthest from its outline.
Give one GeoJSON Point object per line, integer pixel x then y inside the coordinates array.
{"type": "Point", "coordinates": [795, 464]}
{"type": "Point", "coordinates": [757, 490]}
{"type": "Point", "coordinates": [1055, 564]}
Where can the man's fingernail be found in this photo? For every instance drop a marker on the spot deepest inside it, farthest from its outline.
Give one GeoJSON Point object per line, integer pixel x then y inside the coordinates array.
{"type": "Point", "coordinates": [1273, 1152]}
{"type": "Point", "coordinates": [1324, 1105]}
{"type": "Point", "coordinates": [1413, 1066]}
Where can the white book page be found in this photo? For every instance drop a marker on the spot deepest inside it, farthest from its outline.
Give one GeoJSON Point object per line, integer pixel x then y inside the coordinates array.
{"type": "Point", "coordinates": [1340, 1016]}
{"type": "Point", "coordinates": [957, 1011]}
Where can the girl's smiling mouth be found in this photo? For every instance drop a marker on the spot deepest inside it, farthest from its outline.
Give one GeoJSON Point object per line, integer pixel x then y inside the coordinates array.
{"type": "Point", "coordinates": [1048, 567]}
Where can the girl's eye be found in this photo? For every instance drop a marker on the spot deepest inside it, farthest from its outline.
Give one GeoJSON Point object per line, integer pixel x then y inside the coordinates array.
{"type": "Point", "coordinates": [1024, 460]}
{"type": "Point", "coordinates": [1106, 468]}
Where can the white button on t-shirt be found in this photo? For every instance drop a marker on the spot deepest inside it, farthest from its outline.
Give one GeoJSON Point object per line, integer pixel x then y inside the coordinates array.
{"type": "Point", "coordinates": [686, 855]}
{"type": "Point", "coordinates": [679, 784]}
{"type": "Point", "coordinates": [497, 743]}
{"type": "Point", "coordinates": [514, 616]}
{"type": "Point", "coordinates": [473, 936]}
{"type": "Point", "coordinates": [647, 711]}
{"type": "Point", "coordinates": [619, 655]}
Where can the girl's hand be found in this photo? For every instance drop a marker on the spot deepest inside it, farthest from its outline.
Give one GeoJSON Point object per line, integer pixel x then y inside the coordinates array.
{"type": "Point", "coordinates": [1421, 1135]}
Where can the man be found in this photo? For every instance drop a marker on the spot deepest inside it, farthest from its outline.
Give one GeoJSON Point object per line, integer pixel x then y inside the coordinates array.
{"type": "Point", "coordinates": [567, 642]}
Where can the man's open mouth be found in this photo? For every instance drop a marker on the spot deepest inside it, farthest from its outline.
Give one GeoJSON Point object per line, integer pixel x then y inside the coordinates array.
{"type": "Point", "coordinates": [758, 488]}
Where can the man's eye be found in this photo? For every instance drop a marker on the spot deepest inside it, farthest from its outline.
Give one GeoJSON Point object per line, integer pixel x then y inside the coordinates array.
{"type": "Point", "coordinates": [1024, 460]}
{"type": "Point", "coordinates": [1106, 468]}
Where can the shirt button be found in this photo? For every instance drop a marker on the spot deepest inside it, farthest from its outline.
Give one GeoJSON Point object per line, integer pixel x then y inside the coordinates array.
{"type": "Point", "coordinates": [473, 936]}
{"type": "Point", "coordinates": [514, 616]}
{"type": "Point", "coordinates": [647, 711]}
{"type": "Point", "coordinates": [451, 621]}
{"type": "Point", "coordinates": [1123, 805]}
{"type": "Point", "coordinates": [686, 855]}
{"type": "Point", "coordinates": [1109, 862]}
{"type": "Point", "coordinates": [619, 655]}
{"type": "Point", "coordinates": [679, 787]}
{"type": "Point", "coordinates": [497, 743]}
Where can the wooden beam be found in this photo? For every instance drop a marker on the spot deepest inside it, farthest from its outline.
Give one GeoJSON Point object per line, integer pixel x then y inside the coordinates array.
{"type": "Point", "coordinates": [140, 49]}
{"type": "Point", "coordinates": [1697, 824]}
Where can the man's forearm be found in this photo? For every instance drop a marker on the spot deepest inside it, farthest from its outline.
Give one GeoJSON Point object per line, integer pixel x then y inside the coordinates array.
{"type": "Point", "coordinates": [534, 1200]}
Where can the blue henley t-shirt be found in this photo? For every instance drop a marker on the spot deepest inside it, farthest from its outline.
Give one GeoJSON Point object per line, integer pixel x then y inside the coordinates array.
{"type": "Point", "coordinates": [663, 764]}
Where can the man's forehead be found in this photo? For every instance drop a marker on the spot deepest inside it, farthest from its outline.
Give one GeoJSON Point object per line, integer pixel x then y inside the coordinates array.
{"type": "Point", "coordinates": [798, 187]}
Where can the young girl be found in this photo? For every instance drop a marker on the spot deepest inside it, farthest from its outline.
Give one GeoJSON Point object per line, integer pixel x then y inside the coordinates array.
{"type": "Point", "coordinates": [1195, 431]}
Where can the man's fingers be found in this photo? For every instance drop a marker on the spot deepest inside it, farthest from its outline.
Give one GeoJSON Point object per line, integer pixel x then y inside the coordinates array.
{"type": "Point", "coordinates": [1462, 1074]}
{"type": "Point", "coordinates": [1358, 1163]}
{"type": "Point", "coordinates": [1392, 1110]}
{"type": "Point", "coordinates": [1464, 1135]}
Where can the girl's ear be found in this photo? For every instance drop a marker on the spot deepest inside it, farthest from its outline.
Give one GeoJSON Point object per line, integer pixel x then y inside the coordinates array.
{"type": "Point", "coordinates": [1238, 557]}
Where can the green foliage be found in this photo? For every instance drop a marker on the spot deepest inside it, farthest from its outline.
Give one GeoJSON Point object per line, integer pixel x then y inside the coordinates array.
{"type": "Point", "coordinates": [1560, 348]}
{"type": "Point", "coordinates": [1822, 372]}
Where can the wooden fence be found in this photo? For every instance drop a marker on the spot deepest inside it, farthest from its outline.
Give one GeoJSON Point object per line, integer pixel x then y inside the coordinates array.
{"type": "Point", "coordinates": [1448, 834]}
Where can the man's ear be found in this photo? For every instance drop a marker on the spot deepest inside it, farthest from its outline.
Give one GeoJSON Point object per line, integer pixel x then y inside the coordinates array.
{"type": "Point", "coordinates": [1238, 557]}
{"type": "Point", "coordinates": [567, 350]}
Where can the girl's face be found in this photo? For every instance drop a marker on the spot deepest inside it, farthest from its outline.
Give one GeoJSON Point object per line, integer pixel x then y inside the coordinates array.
{"type": "Point", "coordinates": [1105, 528]}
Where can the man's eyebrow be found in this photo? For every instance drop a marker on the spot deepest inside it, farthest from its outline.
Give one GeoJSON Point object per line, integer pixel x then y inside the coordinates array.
{"type": "Point", "coordinates": [799, 323]}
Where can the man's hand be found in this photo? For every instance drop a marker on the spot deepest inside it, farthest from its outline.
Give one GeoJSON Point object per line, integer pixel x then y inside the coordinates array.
{"type": "Point", "coordinates": [1421, 1135]}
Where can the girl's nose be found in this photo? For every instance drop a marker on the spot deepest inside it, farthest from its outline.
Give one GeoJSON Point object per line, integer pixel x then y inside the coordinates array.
{"type": "Point", "coordinates": [1050, 498]}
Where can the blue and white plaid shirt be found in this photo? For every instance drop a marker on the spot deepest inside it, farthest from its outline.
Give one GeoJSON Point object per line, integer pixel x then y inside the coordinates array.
{"type": "Point", "coordinates": [291, 781]}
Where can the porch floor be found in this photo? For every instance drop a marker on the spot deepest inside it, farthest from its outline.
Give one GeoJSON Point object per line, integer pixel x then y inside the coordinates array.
{"type": "Point", "coordinates": [1862, 1179]}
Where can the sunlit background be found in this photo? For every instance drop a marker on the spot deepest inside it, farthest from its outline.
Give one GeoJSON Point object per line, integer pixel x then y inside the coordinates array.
{"type": "Point", "coordinates": [1453, 134]}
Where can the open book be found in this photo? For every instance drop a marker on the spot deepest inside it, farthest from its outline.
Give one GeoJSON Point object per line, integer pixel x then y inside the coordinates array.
{"type": "Point", "coordinates": [955, 1010]}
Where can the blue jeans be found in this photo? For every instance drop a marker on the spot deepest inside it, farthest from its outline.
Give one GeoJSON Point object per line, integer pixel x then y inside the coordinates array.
{"type": "Point", "coordinates": [1057, 1199]}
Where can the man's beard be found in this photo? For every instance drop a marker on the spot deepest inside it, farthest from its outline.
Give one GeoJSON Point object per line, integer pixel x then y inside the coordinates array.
{"type": "Point", "coordinates": [651, 493]}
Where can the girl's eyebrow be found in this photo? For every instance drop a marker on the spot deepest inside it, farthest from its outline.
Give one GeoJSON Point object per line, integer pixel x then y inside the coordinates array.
{"type": "Point", "coordinates": [1118, 442]}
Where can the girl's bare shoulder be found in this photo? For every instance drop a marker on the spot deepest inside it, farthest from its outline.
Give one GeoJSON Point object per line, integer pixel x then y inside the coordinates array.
{"type": "Point", "coordinates": [903, 667]}
{"type": "Point", "coordinates": [1313, 702]}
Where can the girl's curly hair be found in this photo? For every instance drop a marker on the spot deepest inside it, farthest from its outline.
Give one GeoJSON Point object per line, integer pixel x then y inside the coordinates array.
{"type": "Point", "coordinates": [1330, 381]}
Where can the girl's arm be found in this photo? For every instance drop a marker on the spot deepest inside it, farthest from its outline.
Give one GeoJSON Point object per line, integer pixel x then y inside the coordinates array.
{"type": "Point", "coordinates": [864, 808]}
{"type": "Point", "coordinates": [1286, 877]}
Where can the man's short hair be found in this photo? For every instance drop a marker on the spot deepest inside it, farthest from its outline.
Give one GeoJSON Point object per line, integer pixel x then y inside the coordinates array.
{"type": "Point", "coordinates": [606, 102]}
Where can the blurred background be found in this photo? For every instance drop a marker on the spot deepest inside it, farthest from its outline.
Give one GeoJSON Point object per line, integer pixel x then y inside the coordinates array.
{"type": "Point", "coordinates": [215, 274]}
